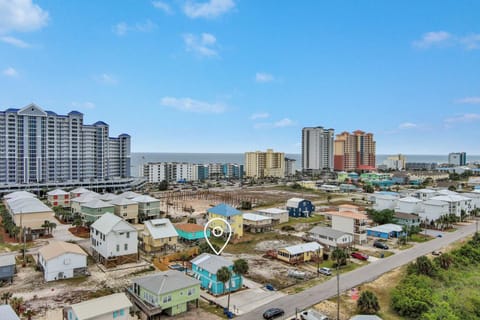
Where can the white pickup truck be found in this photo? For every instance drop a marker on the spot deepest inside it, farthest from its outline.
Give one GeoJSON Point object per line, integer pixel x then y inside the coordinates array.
{"type": "Point", "coordinates": [311, 314]}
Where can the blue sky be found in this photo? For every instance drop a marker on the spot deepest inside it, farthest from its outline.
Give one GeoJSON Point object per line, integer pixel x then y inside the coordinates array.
{"type": "Point", "coordinates": [238, 75]}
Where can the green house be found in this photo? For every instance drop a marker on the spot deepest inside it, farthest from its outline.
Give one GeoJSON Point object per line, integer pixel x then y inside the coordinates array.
{"type": "Point", "coordinates": [164, 292]}
{"type": "Point", "coordinates": [94, 209]}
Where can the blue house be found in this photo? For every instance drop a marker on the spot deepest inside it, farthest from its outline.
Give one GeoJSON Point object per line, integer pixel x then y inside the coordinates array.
{"type": "Point", "coordinates": [297, 207]}
{"type": "Point", "coordinates": [205, 267]}
{"type": "Point", "coordinates": [7, 267]}
{"type": "Point", "coordinates": [386, 231]}
{"type": "Point", "coordinates": [191, 231]}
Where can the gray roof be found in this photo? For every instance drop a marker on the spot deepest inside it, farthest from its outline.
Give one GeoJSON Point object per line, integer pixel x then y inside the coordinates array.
{"type": "Point", "coordinates": [19, 194]}
{"type": "Point", "coordinates": [120, 201]}
{"type": "Point", "coordinates": [164, 282]}
{"type": "Point", "coordinates": [365, 317]}
{"type": "Point", "coordinates": [27, 205]}
{"type": "Point", "coordinates": [57, 192]}
{"type": "Point", "coordinates": [161, 228]}
{"type": "Point", "coordinates": [410, 200]}
{"type": "Point", "coordinates": [93, 308]}
{"type": "Point", "coordinates": [80, 190]}
{"type": "Point", "coordinates": [328, 232]}
{"type": "Point", "coordinates": [129, 195]}
{"type": "Point", "coordinates": [403, 215]}
{"type": "Point", "coordinates": [211, 262]}
{"type": "Point", "coordinates": [255, 217]}
{"type": "Point", "coordinates": [7, 260]}
{"type": "Point", "coordinates": [273, 211]}
{"type": "Point", "coordinates": [86, 197]}
{"type": "Point", "coordinates": [97, 204]}
{"type": "Point", "coordinates": [386, 228]}
{"type": "Point", "coordinates": [145, 199]}
{"type": "Point", "coordinates": [303, 247]}
{"type": "Point", "coordinates": [107, 196]}
{"type": "Point", "coordinates": [7, 313]}
{"type": "Point", "coordinates": [109, 222]}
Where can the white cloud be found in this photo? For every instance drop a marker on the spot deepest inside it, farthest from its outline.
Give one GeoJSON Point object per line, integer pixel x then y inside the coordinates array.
{"type": "Point", "coordinates": [467, 117]}
{"type": "Point", "coordinates": [471, 42]}
{"type": "Point", "coordinates": [15, 42]}
{"type": "Point", "coordinates": [436, 38]}
{"type": "Point", "coordinates": [10, 72]}
{"type": "Point", "coordinates": [21, 15]}
{"type": "Point", "coordinates": [407, 125]}
{"type": "Point", "coordinates": [263, 77]}
{"type": "Point", "coordinates": [203, 45]}
{"type": "Point", "coordinates": [122, 28]}
{"type": "Point", "coordinates": [285, 122]}
{"type": "Point", "coordinates": [191, 105]}
{"type": "Point", "coordinates": [469, 100]}
{"type": "Point", "coordinates": [165, 7]}
{"type": "Point", "coordinates": [209, 9]}
{"type": "Point", "coordinates": [260, 115]}
{"type": "Point", "coordinates": [83, 105]}
{"type": "Point", "coordinates": [106, 78]}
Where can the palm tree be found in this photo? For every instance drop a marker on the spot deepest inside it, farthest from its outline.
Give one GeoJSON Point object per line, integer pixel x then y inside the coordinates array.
{"type": "Point", "coordinates": [45, 226]}
{"type": "Point", "coordinates": [77, 222]}
{"type": "Point", "coordinates": [51, 226]}
{"type": "Point", "coordinates": [445, 260]}
{"type": "Point", "coordinates": [368, 302]}
{"type": "Point", "coordinates": [6, 296]}
{"type": "Point", "coordinates": [29, 314]}
{"type": "Point", "coordinates": [240, 267]}
{"type": "Point", "coordinates": [224, 275]}
{"type": "Point", "coordinates": [340, 256]}
{"type": "Point", "coordinates": [16, 303]}
{"type": "Point", "coordinates": [425, 266]}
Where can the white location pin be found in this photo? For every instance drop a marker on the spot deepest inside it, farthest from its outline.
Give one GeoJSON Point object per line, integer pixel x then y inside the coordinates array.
{"type": "Point", "coordinates": [218, 232]}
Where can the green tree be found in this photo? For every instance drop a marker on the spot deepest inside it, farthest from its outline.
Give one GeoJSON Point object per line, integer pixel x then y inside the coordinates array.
{"type": "Point", "coordinates": [240, 267]}
{"type": "Point", "coordinates": [339, 256]}
{"type": "Point", "coordinates": [45, 226]}
{"type": "Point", "coordinates": [441, 311]}
{"type": "Point", "coordinates": [444, 261]}
{"type": "Point", "coordinates": [368, 303]}
{"type": "Point", "coordinates": [382, 216]}
{"type": "Point", "coordinates": [52, 226]}
{"type": "Point", "coordinates": [205, 248]}
{"type": "Point", "coordinates": [369, 188]}
{"type": "Point", "coordinates": [224, 275]}
{"type": "Point", "coordinates": [423, 265]}
{"type": "Point", "coordinates": [77, 222]}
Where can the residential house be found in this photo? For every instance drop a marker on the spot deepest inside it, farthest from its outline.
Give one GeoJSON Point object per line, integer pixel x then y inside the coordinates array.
{"type": "Point", "coordinates": [425, 194]}
{"type": "Point", "coordinates": [191, 231]}
{"type": "Point", "coordinates": [205, 268]}
{"type": "Point", "coordinates": [278, 215]}
{"type": "Point", "coordinates": [382, 201]}
{"type": "Point", "coordinates": [77, 192]}
{"type": "Point", "coordinates": [7, 267]}
{"type": "Point", "coordinates": [433, 210]}
{"type": "Point", "coordinates": [386, 231]}
{"type": "Point", "coordinates": [7, 312]}
{"type": "Point", "coordinates": [114, 241]}
{"type": "Point", "coordinates": [233, 216]}
{"type": "Point", "coordinates": [62, 260]}
{"type": "Point", "coordinates": [407, 219]}
{"type": "Point", "coordinates": [19, 194]}
{"type": "Point", "coordinates": [30, 213]}
{"type": "Point", "coordinates": [167, 292]}
{"type": "Point", "coordinates": [107, 197]}
{"type": "Point", "coordinates": [126, 209]}
{"type": "Point", "coordinates": [94, 209]}
{"type": "Point", "coordinates": [330, 238]}
{"type": "Point", "coordinates": [159, 234]}
{"type": "Point", "coordinates": [129, 195]}
{"type": "Point", "coordinates": [256, 223]}
{"type": "Point", "coordinates": [297, 207]}
{"type": "Point", "coordinates": [300, 253]}
{"type": "Point", "coordinates": [148, 208]}
{"type": "Point", "coordinates": [115, 306]}
{"type": "Point", "coordinates": [58, 197]}
{"type": "Point", "coordinates": [409, 205]}
{"type": "Point", "coordinates": [77, 202]}
{"type": "Point", "coordinates": [350, 220]}
{"type": "Point", "coordinates": [456, 203]}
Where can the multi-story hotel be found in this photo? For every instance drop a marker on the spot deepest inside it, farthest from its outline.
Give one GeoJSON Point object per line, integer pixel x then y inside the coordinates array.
{"type": "Point", "coordinates": [354, 151]}
{"type": "Point", "coordinates": [38, 146]}
{"type": "Point", "coordinates": [260, 164]}
{"type": "Point", "coordinates": [183, 171]}
{"type": "Point", "coordinates": [317, 149]}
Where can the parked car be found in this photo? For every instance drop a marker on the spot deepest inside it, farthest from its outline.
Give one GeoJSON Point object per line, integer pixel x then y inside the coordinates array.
{"type": "Point", "coordinates": [273, 313]}
{"type": "Point", "coordinates": [436, 253]}
{"type": "Point", "coordinates": [311, 314]}
{"type": "Point", "coordinates": [270, 287]}
{"type": "Point", "coordinates": [359, 255]}
{"type": "Point", "coordinates": [325, 271]}
{"type": "Point", "coordinates": [439, 235]}
{"type": "Point", "coordinates": [380, 244]}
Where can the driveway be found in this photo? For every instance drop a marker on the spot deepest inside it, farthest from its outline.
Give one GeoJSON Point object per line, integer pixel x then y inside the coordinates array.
{"type": "Point", "coordinates": [61, 233]}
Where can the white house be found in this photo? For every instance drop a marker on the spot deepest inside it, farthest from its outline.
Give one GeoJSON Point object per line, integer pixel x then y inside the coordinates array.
{"type": "Point", "coordinates": [425, 194]}
{"type": "Point", "coordinates": [278, 215]}
{"type": "Point", "coordinates": [433, 209]}
{"type": "Point", "coordinates": [115, 306]}
{"type": "Point", "coordinates": [350, 221]}
{"type": "Point", "coordinates": [409, 205]}
{"type": "Point", "coordinates": [62, 260]}
{"type": "Point", "coordinates": [330, 238]}
{"type": "Point", "coordinates": [384, 201]}
{"type": "Point", "coordinates": [114, 241]}
{"type": "Point", "coordinates": [456, 203]}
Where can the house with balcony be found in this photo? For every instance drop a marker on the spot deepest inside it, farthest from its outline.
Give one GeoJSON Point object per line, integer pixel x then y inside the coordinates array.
{"type": "Point", "coordinates": [115, 307]}
{"type": "Point", "coordinates": [158, 235]}
{"type": "Point", "coordinates": [278, 215]}
{"type": "Point", "coordinates": [297, 207]}
{"type": "Point", "coordinates": [92, 210]}
{"type": "Point", "coordinates": [257, 223]}
{"type": "Point", "coordinates": [456, 203]}
{"type": "Point", "coordinates": [300, 253]}
{"type": "Point", "coordinates": [58, 198]}
{"type": "Point", "coordinates": [233, 216]}
{"type": "Point", "coordinates": [168, 292]}
{"type": "Point", "coordinates": [205, 268]}
{"type": "Point", "coordinates": [433, 210]}
{"type": "Point", "coordinates": [77, 202]}
{"type": "Point", "coordinates": [191, 232]}
{"type": "Point", "coordinates": [330, 238]}
{"type": "Point", "coordinates": [350, 219]}
{"type": "Point", "coordinates": [126, 209]}
{"type": "Point", "coordinates": [407, 219]}
{"type": "Point", "coordinates": [148, 207]}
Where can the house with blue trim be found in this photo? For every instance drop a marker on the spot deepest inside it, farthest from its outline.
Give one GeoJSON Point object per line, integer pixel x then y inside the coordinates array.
{"type": "Point", "coordinates": [297, 207]}
{"type": "Point", "coordinates": [205, 268]}
{"type": "Point", "coordinates": [191, 231]}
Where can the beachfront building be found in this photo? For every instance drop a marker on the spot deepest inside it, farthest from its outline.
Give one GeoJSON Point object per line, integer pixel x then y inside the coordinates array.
{"type": "Point", "coordinates": [382, 200]}
{"type": "Point", "coordinates": [92, 210]}
{"type": "Point", "coordinates": [278, 215]}
{"type": "Point", "coordinates": [112, 307]}
{"type": "Point", "coordinates": [289, 167]}
{"type": "Point", "coordinates": [300, 253]}
{"type": "Point", "coordinates": [158, 235]}
{"type": "Point", "coordinates": [58, 198]}
{"type": "Point", "coordinates": [205, 268]}
{"type": "Point", "coordinates": [407, 219]}
{"type": "Point", "coordinates": [256, 223]}
{"type": "Point", "coordinates": [39, 146]}
{"type": "Point", "coordinates": [62, 260]}
{"type": "Point", "coordinates": [409, 205]}
{"type": "Point", "coordinates": [298, 207]}
{"type": "Point", "coordinates": [233, 216]}
{"type": "Point", "coordinates": [260, 164]}
{"type": "Point", "coordinates": [317, 149]}
{"type": "Point", "coordinates": [433, 210]}
{"type": "Point", "coordinates": [148, 208]}
{"type": "Point", "coordinates": [355, 151]}
{"type": "Point", "coordinates": [114, 241]}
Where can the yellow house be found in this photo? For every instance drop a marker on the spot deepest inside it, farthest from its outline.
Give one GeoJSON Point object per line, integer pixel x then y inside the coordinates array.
{"type": "Point", "coordinates": [159, 235]}
{"type": "Point", "coordinates": [126, 209]}
{"type": "Point", "coordinates": [300, 253]}
{"type": "Point", "coordinates": [233, 216]}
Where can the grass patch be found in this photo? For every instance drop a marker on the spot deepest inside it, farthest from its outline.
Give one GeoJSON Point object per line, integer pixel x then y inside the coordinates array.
{"type": "Point", "coordinates": [418, 237]}
{"type": "Point", "coordinates": [316, 218]}
{"type": "Point", "coordinates": [405, 246]}
{"type": "Point", "coordinates": [212, 308]}
{"type": "Point", "coordinates": [250, 240]}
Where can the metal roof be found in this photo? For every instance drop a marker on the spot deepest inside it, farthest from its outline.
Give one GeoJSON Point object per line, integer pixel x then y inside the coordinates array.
{"type": "Point", "coordinates": [109, 222]}
{"type": "Point", "coordinates": [96, 204]}
{"type": "Point", "coordinates": [433, 202]}
{"type": "Point", "coordinates": [80, 190]}
{"type": "Point", "coordinates": [451, 198]}
{"type": "Point", "coordinates": [7, 260]}
{"type": "Point", "coordinates": [19, 194]}
{"type": "Point", "coordinates": [365, 317]}
{"type": "Point", "coordinates": [255, 217]}
{"type": "Point", "coordinates": [386, 228]}
{"type": "Point", "coordinates": [91, 309]}
{"type": "Point", "coordinates": [165, 282]}
{"type": "Point", "coordinates": [328, 232]}
{"type": "Point", "coordinates": [294, 202]}
{"type": "Point", "coordinates": [303, 247]}
{"type": "Point", "coordinates": [224, 210]}
{"type": "Point", "coordinates": [86, 197]}
{"type": "Point", "coordinates": [57, 192]}
{"type": "Point", "coordinates": [145, 199]}
{"type": "Point", "coordinates": [107, 196]}
{"type": "Point", "coordinates": [273, 211]}
{"type": "Point", "coordinates": [161, 228]}
{"type": "Point", "coordinates": [129, 195]}
{"type": "Point", "coordinates": [410, 200]}
{"type": "Point", "coordinates": [57, 248]}
{"type": "Point", "coordinates": [7, 312]}
{"type": "Point", "coordinates": [27, 205]}
{"type": "Point", "coordinates": [211, 263]}
{"type": "Point", "coordinates": [120, 201]}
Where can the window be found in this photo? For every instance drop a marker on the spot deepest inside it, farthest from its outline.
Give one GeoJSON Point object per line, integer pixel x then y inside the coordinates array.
{"type": "Point", "coordinates": [122, 312]}
{"type": "Point", "coordinates": [115, 314]}
{"type": "Point", "coordinates": [128, 234]}
{"type": "Point", "coordinates": [118, 247]}
{"type": "Point", "coordinates": [126, 246]}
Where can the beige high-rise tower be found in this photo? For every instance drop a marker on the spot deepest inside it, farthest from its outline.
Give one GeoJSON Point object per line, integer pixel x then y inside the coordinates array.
{"type": "Point", "coordinates": [260, 164]}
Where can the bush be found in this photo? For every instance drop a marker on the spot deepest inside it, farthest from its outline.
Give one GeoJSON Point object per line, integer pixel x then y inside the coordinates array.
{"type": "Point", "coordinates": [413, 297]}
{"type": "Point", "coordinates": [288, 228]}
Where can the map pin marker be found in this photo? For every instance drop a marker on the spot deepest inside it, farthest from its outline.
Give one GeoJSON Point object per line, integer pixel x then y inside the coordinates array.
{"type": "Point", "coordinates": [218, 226]}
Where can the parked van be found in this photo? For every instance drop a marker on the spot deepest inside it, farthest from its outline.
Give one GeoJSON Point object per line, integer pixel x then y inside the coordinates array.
{"type": "Point", "coordinates": [312, 314]}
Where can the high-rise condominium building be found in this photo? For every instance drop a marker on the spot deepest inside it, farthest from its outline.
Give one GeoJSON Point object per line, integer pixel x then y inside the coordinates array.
{"type": "Point", "coordinates": [289, 167]}
{"type": "Point", "coordinates": [260, 164]}
{"type": "Point", "coordinates": [38, 146]}
{"type": "Point", "coordinates": [457, 158]}
{"type": "Point", "coordinates": [355, 151]}
{"type": "Point", "coordinates": [317, 149]}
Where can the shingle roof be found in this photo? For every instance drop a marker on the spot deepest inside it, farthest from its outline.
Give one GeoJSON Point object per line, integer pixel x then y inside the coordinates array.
{"type": "Point", "coordinates": [93, 308]}
{"type": "Point", "coordinates": [57, 248]}
{"type": "Point", "coordinates": [27, 205]}
{"type": "Point", "coordinates": [7, 313]}
{"type": "Point", "coordinates": [109, 222]}
{"type": "Point", "coordinates": [86, 197]}
{"type": "Point", "coordinates": [386, 228]}
{"type": "Point", "coordinates": [129, 195]}
{"type": "Point", "coordinates": [211, 262]}
{"type": "Point", "coordinates": [80, 190]}
{"type": "Point", "coordinates": [347, 214]}
{"type": "Point", "coordinates": [303, 247]}
{"type": "Point", "coordinates": [328, 232]}
{"type": "Point", "coordinates": [224, 210]}
{"type": "Point", "coordinates": [160, 228]}
{"type": "Point", "coordinates": [107, 196]}
{"type": "Point", "coordinates": [164, 282]}
{"type": "Point", "coordinates": [402, 215]}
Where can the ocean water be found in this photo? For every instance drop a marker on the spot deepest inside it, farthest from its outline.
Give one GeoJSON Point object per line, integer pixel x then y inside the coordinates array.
{"type": "Point", "coordinates": [139, 158]}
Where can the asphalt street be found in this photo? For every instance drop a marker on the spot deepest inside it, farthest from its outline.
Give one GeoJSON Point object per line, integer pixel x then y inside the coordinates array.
{"type": "Point", "coordinates": [358, 276]}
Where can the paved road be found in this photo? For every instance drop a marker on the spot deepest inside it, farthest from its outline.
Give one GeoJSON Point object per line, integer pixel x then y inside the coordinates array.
{"type": "Point", "coordinates": [356, 277]}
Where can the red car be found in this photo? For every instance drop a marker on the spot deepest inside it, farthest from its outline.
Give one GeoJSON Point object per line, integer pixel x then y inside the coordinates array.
{"type": "Point", "coordinates": [359, 256]}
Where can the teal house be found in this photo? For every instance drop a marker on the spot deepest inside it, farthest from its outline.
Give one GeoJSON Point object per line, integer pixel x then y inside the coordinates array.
{"type": "Point", "coordinates": [205, 267]}
{"type": "Point", "coordinates": [191, 231]}
{"type": "Point", "coordinates": [167, 292]}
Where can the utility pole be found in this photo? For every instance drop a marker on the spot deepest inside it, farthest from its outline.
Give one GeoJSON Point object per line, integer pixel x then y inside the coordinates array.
{"type": "Point", "coordinates": [338, 286]}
